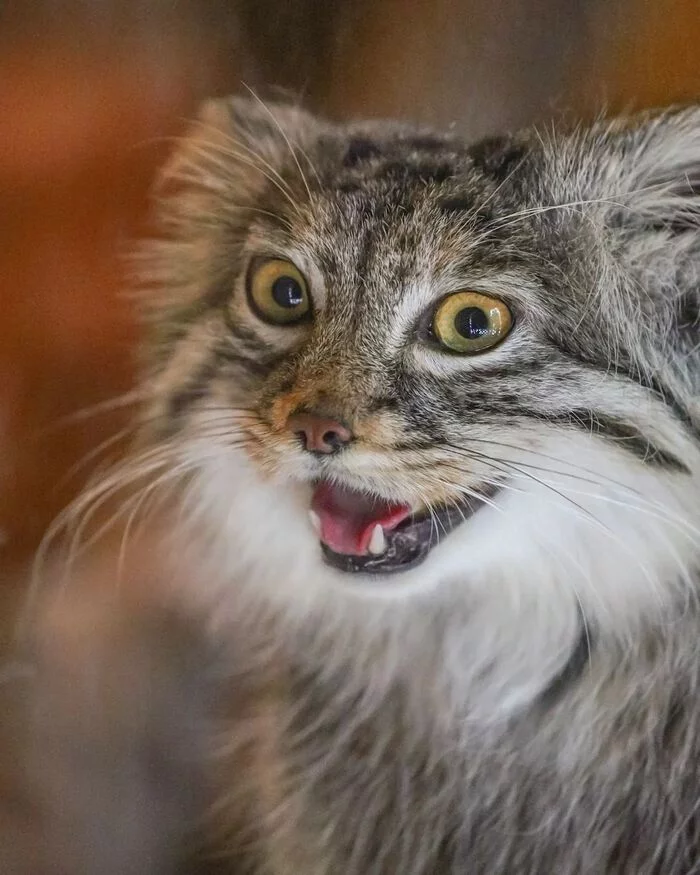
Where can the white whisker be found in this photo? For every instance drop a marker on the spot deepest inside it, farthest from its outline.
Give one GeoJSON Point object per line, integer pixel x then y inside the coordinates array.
{"type": "Point", "coordinates": [285, 138]}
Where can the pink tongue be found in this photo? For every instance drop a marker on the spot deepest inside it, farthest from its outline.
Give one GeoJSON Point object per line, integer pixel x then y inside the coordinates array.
{"type": "Point", "coordinates": [348, 518]}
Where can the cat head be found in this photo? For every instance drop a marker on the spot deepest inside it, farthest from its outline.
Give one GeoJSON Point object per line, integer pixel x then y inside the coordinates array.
{"type": "Point", "coordinates": [403, 365]}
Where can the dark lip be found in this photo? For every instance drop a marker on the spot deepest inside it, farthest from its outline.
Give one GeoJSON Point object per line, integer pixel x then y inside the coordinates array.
{"type": "Point", "coordinates": [409, 543]}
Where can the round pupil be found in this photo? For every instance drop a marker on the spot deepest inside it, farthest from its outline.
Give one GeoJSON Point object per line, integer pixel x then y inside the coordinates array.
{"type": "Point", "coordinates": [472, 323]}
{"type": "Point", "coordinates": [287, 292]}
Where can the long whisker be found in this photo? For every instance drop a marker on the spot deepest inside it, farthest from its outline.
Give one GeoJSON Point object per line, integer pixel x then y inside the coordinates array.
{"type": "Point", "coordinates": [233, 150]}
{"type": "Point", "coordinates": [171, 476]}
{"type": "Point", "coordinates": [480, 209]}
{"type": "Point", "coordinates": [593, 476]}
{"type": "Point", "coordinates": [286, 140]}
{"type": "Point", "coordinates": [83, 507]}
{"type": "Point", "coordinates": [585, 202]}
{"type": "Point", "coordinates": [128, 399]}
{"type": "Point", "coordinates": [94, 453]}
{"type": "Point", "coordinates": [505, 221]}
{"type": "Point", "coordinates": [641, 503]}
{"type": "Point", "coordinates": [240, 144]}
{"type": "Point", "coordinates": [581, 513]}
{"type": "Point", "coordinates": [208, 153]}
{"type": "Point", "coordinates": [433, 516]}
{"type": "Point", "coordinates": [251, 158]}
{"type": "Point", "coordinates": [98, 497]}
{"type": "Point", "coordinates": [512, 466]}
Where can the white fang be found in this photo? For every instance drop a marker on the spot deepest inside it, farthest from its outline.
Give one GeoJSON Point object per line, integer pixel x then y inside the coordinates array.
{"type": "Point", "coordinates": [377, 543]}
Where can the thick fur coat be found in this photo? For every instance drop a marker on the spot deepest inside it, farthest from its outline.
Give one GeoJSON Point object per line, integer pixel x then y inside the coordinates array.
{"type": "Point", "coordinates": [526, 700]}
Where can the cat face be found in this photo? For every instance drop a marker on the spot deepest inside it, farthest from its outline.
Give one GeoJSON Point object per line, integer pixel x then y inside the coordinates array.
{"type": "Point", "coordinates": [401, 364]}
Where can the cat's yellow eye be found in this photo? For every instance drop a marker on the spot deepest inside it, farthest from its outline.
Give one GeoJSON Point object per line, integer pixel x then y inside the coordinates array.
{"type": "Point", "coordinates": [277, 292]}
{"type": "Point", "coordinates": [469, 322]}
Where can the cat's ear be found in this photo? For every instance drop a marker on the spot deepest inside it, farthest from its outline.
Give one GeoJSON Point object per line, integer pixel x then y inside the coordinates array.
{"type": "Point", "coordinates": [240, 141]}
{"type": "Point", "coordinates": [234, 150]}
{"type": "Point", "coordinates": [656, 159]}
{"type": "Point", "coordinates": [648, 177]}
{"type": "Point", "coordinates": [276, 130]}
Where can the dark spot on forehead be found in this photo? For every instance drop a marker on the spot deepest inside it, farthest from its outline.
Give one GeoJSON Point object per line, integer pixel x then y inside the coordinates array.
{"type": "Point", "coordinates": [360, 149]}
{"type": "Point", "coordinates": [349, 187]}
{"type": "Point", "coordinates": [425, 143]}
{"type": "Point", "coordinates": [442, 173]}
{"type": "Point", "coordinates": [423, 172]}
{"type": "Point", "coordinates": [497, 156]}
{"type": "Point", "coordinates": [457, 204]}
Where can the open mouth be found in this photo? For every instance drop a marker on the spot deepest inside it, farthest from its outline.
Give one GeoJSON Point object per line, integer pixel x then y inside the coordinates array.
{"type": "Point", "coordinates": [361, 533]}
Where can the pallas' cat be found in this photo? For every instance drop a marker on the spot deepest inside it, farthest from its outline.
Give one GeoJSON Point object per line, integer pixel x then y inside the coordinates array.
{"type": "Point", "coordinates": [427, 412]}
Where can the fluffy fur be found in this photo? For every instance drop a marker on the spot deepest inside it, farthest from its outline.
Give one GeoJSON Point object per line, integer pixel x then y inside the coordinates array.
{"type": "Point", "coordinates": [524, 701]}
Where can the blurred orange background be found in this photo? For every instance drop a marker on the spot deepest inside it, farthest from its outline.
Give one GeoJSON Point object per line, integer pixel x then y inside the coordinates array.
{"type": "Point", "coordinates": [92, 90]}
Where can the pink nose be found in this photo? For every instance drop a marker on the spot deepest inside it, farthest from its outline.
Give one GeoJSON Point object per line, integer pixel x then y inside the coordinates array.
{"type": "Point", "coordinates": [319, 434]}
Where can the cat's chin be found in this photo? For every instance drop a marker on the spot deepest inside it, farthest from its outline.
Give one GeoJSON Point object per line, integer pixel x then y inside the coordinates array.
{"type": "Point", "coordinates": [409, 543]}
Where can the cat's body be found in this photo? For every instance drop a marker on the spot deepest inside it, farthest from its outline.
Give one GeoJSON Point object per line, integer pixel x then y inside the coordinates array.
{"type": "Point", "coordinates": [604, 780]}
{"type": "Point", "coordinates": [308, 775]}
{"type": "Point", "coordinates": [508, 335]}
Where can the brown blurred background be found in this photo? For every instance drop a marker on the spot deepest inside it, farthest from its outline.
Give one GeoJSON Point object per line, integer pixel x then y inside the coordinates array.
{"type": "Point", "coordinates": [90, 89]}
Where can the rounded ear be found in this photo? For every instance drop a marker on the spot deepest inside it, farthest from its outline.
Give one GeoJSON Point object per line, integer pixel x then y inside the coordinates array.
{"type": "Point", "coordinates": [208, 132]}
{"type": "Point", "coordinates": [236, 141]}
{"type": "Point", "coordinates": [660, 157]}
{"type": "Point", "coordinates": [202, 174]}
{"type": "Point", "coordinates": [647, 175]}
{"type": "Point", "coordinates": [236, 150]}
{"type": "Point", "coordinates": [276, 129]}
